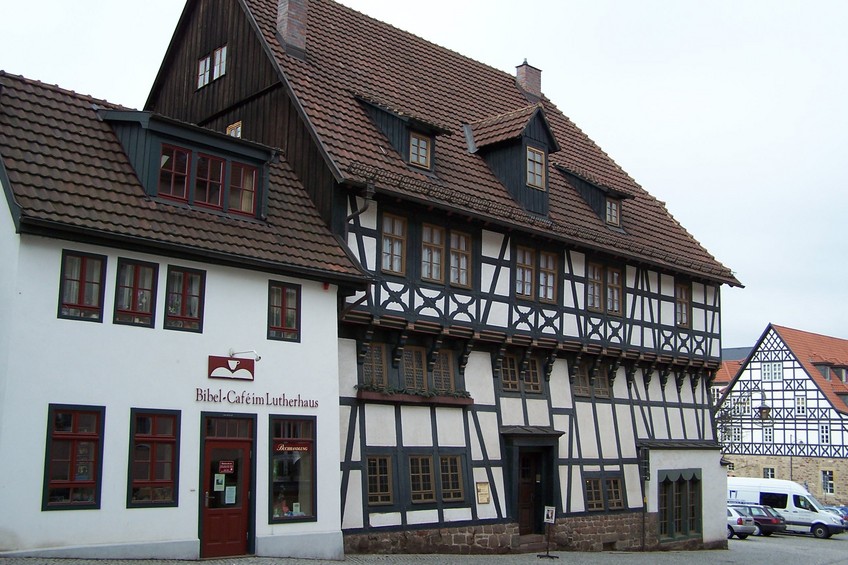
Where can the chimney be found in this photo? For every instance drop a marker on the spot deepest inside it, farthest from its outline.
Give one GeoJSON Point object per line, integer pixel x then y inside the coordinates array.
{"type": "Point", "coordinates": [529, 79]}
{"type": "Point", "coordinates": [291, 26]}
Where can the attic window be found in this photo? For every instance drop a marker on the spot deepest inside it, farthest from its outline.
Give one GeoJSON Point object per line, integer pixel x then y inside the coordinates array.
{"type": "Point", "coordinates": [535, 168]}
{"type": "Point", "coordinates": [613, 215]}
{"type": "Point", "coordinates": [419, 150]}
{"type": "Point", "coordinates": [220, 66]}
{"type": "Point", "coordinates": [212, 66]}
{"type": "Point", "coordinates": [203, 72]}
{"type": "Point", "coordinates": [234, 130]}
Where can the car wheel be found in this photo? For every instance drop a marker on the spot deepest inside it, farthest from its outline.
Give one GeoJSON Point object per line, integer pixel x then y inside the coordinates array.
{"type": "Point", "coordinates": [741, 536]}
{"type": "Point", "coordinates": [729, 532]}
{"type": "Point", "coordinates": [757, 530]}
{"type": "Point", "coordinates": [821, 531]}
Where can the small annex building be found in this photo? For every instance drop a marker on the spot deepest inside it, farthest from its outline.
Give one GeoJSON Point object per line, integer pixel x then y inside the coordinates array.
{"type": "Point", "coordinates": [168, 347]}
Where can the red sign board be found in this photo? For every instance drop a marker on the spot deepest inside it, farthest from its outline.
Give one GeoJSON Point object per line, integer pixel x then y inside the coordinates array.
{"type": "Point", "coordinates": [231, 368]}
{"type": "Point", "coordinates": [226, 467]}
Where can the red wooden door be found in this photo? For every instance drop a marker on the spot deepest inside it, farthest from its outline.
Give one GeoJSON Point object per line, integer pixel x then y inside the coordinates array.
{"type": "Point", "coordinates": [225, 498]}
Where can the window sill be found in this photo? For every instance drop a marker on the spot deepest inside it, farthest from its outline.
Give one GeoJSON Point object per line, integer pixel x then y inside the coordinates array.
{"type": "Point", "coordinates": [400, 398]}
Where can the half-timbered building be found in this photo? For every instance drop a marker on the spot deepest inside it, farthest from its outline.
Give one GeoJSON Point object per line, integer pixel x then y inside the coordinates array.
{"type": "Point", "coordinates": [540, 332]}
{"type": "Point", "coordinates": [168, 314]}
{"type": "Point", "coordinates": [785, 413]}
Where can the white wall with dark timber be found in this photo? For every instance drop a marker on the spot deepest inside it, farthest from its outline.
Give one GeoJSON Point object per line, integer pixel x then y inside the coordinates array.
{"type": "Point", "coordinates": [9, 251]}
{"type": "Point", "coordinates": [120, 367]}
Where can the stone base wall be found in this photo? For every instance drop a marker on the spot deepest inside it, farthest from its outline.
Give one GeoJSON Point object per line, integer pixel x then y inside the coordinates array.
{"type": "Point", "coordinates": [592, 532]}
{"type": "Point", "coordinates": [495, 538]}
{"type": "Point", "coordinates": [803, 470]}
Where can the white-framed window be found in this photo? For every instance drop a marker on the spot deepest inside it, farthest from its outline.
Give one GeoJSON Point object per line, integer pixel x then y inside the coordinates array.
{"type": "Point", "coordinates": [824, 433]}
{"type": "Point", "coordinates": [768, 472]}
{"type": "Point", "coordinates": [772, 371]}
{"type": "Point", "coordinates": [827, 482]}
{"type": "Point", "coordinates": [768, 436]}
{"type": "Point", "coordinates": [736, 434]}
{"type": "Point", "coordinates": [219, 68]}
{"type": "Point", "coordinates": [203, 71]}
{"type": "Point", "coordinates": [800, 405]}
{"type": "Point", "coordinates": [731, 466]}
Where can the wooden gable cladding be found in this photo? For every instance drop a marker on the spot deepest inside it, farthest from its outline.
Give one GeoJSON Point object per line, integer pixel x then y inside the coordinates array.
{"type": "Point", "coordinates": [251, 92]}
{"type": "Point", "coordinates": [205, 26]}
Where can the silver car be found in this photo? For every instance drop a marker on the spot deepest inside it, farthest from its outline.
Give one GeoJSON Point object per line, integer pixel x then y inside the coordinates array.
{"type": "Point", "coordinates": [739, 525]}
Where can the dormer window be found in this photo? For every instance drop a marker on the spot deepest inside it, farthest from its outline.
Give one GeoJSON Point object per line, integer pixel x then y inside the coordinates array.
{"type": "Point", "coordinates": [206, 180]}
{"type": "Point", "coordinates": [419, 150]}
{"type": "Point", "coordinates": [613, 216]}
{"type": "Point", "coordinates": [535, 168]}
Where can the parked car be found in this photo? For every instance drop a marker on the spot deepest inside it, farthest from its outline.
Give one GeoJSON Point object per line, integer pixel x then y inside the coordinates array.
{"type": "Point", "coordinates": [841, 511]}
{"type": "Point", "coordinates": [767, 520]}
{"type": "Point", "coordinates": [738, 524]}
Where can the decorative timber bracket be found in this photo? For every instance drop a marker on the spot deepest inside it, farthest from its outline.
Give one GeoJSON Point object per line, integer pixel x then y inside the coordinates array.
{"type": "Point", "coordinates": [497, 362]}
{"type": "Point", "coordinates": [679, 379]}
{"type": "Point", "coordinates": [549, 364]}
{"type": "Point", "coordinates": [664, 372]}
{"type": "Point", "coordinates": [365, 346]}
{"type": "Point", "coordinates": [695, 378]}
{"type": "Point", "coordinates": [612, 371]}
{"type": "Point", "coordinates": [648, 373]}
{"type": "Point", "coordinates": [525, 363]}
{"type": "Point", "coordinates": [630, 373]}
{"type": "Point", "coordinates": [463, 357]}
{"type": "Point", "coordinates": [397, 352]}
{"type": "Point", "coordinates": [434, 351]}
{"type": "Point", "coordinates": [572, 367]}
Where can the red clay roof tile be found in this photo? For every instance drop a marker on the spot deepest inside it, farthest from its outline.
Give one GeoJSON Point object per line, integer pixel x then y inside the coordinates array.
{"type": "Point", "coordinates": [359, 54]}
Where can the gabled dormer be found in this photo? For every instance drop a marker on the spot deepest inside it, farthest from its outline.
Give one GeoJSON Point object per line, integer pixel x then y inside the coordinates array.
{"type": "Point", "coordinates": [516, 146]}
{"type": "Point", "coordinates": [413, 137]}
{"type": "Point", "coordinates": [607, 202]}
{"type": "Point", "coordinates": [192, 166]}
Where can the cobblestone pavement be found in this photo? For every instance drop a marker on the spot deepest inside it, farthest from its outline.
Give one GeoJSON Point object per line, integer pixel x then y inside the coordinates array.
{"type": "Point", "coordinates": [775, 550]}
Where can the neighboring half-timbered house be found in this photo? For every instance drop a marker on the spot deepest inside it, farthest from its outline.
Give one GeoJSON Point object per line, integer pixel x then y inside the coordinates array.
{"type": "Point", "coordinates": [540, 332]}
{"type": "Point", "coordinates": [785, 413]}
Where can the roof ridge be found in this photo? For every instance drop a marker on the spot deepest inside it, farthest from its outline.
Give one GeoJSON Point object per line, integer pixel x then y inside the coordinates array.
{"type": "Point", "coordinates": [509, 114]}
{"type": "Point", "coordinates": [65, 91]}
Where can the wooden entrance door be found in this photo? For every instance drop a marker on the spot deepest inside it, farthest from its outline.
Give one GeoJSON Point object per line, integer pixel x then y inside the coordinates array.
{"type": "Point", "coordinates": [529, 492]}
{"type": "Point", "coordinates": [225, 496]}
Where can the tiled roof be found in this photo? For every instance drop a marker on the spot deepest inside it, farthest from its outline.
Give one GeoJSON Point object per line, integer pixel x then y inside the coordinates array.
{"type": "Point", "coordinates": [811, 349]}
{"type": "Point", "coordinates": [348, 52]}
{"type": "Point", "coordinates": [726, 372]}
{"type": "Point", "coordinates": [68, 172]}
{"type": "Point", "coordinates": [503, 127]}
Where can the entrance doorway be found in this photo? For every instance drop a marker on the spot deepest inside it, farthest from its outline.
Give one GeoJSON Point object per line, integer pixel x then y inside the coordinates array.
{"type": "Point", "coordinates": [226, 504]}
{"type": "Point", "coordinates": [530, 503]}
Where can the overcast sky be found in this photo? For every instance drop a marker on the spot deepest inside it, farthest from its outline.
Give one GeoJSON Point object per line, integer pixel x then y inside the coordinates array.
{"type": "Point", "coordinates": [732, 112]}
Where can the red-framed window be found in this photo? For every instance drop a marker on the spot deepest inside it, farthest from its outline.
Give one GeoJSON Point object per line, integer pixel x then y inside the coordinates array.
{"type": "Point", "coordinates": [154, 458]}
{"type": "Point", "coordinates": [174, 166]}
{"type": "Point", "coordinates": [81, 287]}
{"type": "Point", "coordinates": [242, 189]}
{"type": "Point", "coordinates": [135, 293]}
{"type": "Point", "coordinates": [184, 299]}
{"type": "Point", "coordinates": [209, 181]}
{"type": "Point", "coordinates": [293, 469]}
{"type": "Point", "coordinates": [283, 311]}
{"type": "Point", "coordinates": [74, 457]}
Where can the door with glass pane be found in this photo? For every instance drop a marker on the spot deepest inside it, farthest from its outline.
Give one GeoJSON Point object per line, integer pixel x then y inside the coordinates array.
{"type": "Point", "coordinates": [225, 491]}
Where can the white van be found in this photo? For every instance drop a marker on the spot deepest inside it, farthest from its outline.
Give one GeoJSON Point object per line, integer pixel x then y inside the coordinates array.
{"type": "Point", "coordinates": [802, 511]}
